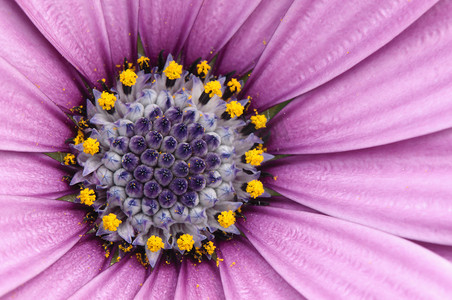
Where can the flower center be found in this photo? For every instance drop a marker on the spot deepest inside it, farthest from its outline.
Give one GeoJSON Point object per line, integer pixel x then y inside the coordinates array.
{"type": "Point", "coordinates": [166, 159]}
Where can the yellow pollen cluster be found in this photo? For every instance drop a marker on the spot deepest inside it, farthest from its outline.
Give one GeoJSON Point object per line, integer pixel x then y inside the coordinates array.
{"type": "Point", "coordinates": [254, 157]}
{"type": "Point", "coordinates": [69, 159]}
{"type": "Point", "coordinates": [203, 68]}
{"type": "Point", "coordinates": [173, 71]}
{"type": "Point", "coordinates": [143, 61]}
{"type": "Point", "coordinates": [255, 188]}
{"type": "Point", "coordinates": [155, 243]}
{"type": "Point", "coordinates": [87, 196]}
{"type": "Point", "coordinates": [213, 88]}
{"type": "Point", "coordinates": [79, 138]}
{"type": "Point", "coordinates": [91, 146]}
{"type": "Point", "coordinates": [185, 242]}
{"type": "Point", "coordinates": [111, 223]}
{"type": "Point", "coordinates": [234, 108]}
{"type": "Point", "coordinates": [124, 249]}
{"type": "Point", "coordinates": [259, 121]}
{"type": "Point", "coordinates": [128, 77]}
{"type": "Point", "coordinates": [107, 100]}
{"type": "Point", "coordinates": [82, 123]}
{"type": "Point", "coordinates": [234, 85]}
{"type": "Point", "coordinates": [226, 218]}
{"type": "Point", "coordinates": [210, 247]}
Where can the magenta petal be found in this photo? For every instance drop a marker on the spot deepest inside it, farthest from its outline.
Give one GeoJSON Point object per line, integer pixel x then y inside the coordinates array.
{"type": "Point", "coordinates": [160, 283]}
{"type": "Point", "coordinates": [216, 23]}
{"type": "Point", "coordinates": [31, 174]}
{"type": "Point", "coordinates": [120, 281]}
{"type": "Point", "coordinates": [165, 25]}
{"type": "Point", "coordinates": [246, 275]}
{"type": "Point", "coordinates": [402, 188]}
{"type": "Point", "coordinates": [326, 258]}
{"type": "Point", "coordinates": [199, 281]}
{"type": "Point", "coordinates": [74, 269]}
{"type": "Point", "coordinates": [402, 91]}
{"type": "Point", "coordinates": [319, 40]}
{"type": "Point", "coordinates": [35, 233]}
{"type": "Point", "coordinates": [245, 47]}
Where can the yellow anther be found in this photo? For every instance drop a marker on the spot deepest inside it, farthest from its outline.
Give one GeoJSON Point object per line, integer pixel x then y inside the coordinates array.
{"type": "Point", "coordinates": [91, 146]}
{"type": "Point", "coordinates": [107, 100]}
{"type": "Point", "coordinates": [255, 188]}
{"type": "Point", "coordinates": [210, 247]}
{"type": "Point", "coordinates": [173, 71]}
{"type": "Point", "coordinates": [143, 61]}
{"type": "Point", "coordinates": [111, 222]}
{"type": "Point", "coordinates": [69, 159]}
{"type": "Point", "coordinates": [213, 88]}
{"type": "Point", "coordinates": [234, 108]}
{"type": "Point", "coordinates": [155, 243]}
{"type": "Point", "coordinates": [218, 261]}
{"type": "Point", "coordinates": [79, 138]}
{"type": "Point", "coordinates": [87, 196]}
{"type": "Point", "coordinates": [254, 157]}
{"type": "Point", "coordinates": [185, 242]}
{"type": "Point", "coordinates": [259, 121]}
{"type": "Point", "coordinates": [128, 77]}
{"type": "Point", "coordinates": [226, 218]}
{"type": "Point", "coordinates": [234, 85]}
{"type": "Point", "coordinates": [124, 249]}
{"type": "Point", "coordinates": [203, 68]}
{"type": "Point", "coordinates": [82, 123]}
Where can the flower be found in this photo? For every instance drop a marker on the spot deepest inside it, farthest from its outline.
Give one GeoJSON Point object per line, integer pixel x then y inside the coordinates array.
{"type": "Point", "coordinates": [365, 206]}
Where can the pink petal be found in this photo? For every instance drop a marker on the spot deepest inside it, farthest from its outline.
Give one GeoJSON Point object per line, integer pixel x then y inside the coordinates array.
{"type": "Point", "coordinates": [165, 25]}
{"type": "Point", "coordinates": [326, 258]}
{"type": "Point", "coordinates": [216, 23]}
{"type": "Point", "coordinates": [199, 281]}
{"type": "Point", "coordinates": [35, 233]}
{"type": "Point", "coordinates": [319, 40]}
{"type": "Point", "coordinates": [161, 283]}
{"type": "Point", "coordinates": [31, 174]}
{"type": "Point", "coordinates": [244, 49]}
{"type": "Point", "coordinates": [23, 46]}
{"type": "Point", "coordinates": [74, 269]}
{"type": "Point", "coordinates": [403, 188]}
{"type": "Point", "coordinates": [441, 250]}
{"type": "Point", "coordinates": [120, 281]}
{"type": "Point", "coordinates": [246, 275]}
{"type": "Point", "coordinates": [401, 91]}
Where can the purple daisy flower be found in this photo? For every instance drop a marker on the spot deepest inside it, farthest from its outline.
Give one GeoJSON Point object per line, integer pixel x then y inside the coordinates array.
{"type": "Point", "coordinates": [363, 207]}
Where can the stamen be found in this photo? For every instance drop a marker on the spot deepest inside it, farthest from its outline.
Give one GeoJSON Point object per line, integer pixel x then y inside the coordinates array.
{"type": "Point", "coordinates": [213, 88]}
{"type": "Point", "coordinates": [255, 188]}
{"type": "Point", "coordinates": [254, 157]}
{"type": "Point", "coordinates": [226, 218]}
{"type": "Point", "coordinates": [210, 247]}
{"type": "Point", "coordinates": [173, 71]}
{"type": "Point", "coordinates": [143, 61]}
{"type": "Point", "coordinates": [107, 100]}
{"type": "Point", "coordinates": [79, 138]}
{"type": "Point", "coordinates": [259, 121]}
{"type": "Point", "coordinates": [128, 77]}
{"type": "Point", "coordinates": [234, 108]}
{"type": "Point", "coordinates": [185, 242]}
{"type": "Point", "coordinates": [155, 243]}
{"type": "Point", "coordinates": [203, 68]}
{"type": "Point", "coordinates": [234, 85]}
{"type": "Point", "coordinates": [87, 196]}
{"type": "Point", "coordinates": [111, 222]}
{"type": "Point", "coordinates": [91, 146]}
{"type": "Point", "coordinates": [69, 159]}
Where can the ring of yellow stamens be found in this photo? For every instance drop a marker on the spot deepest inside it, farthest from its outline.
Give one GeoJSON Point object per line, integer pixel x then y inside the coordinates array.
{"type": "Point", "coordinates": [155, 243]}
{"type": "Point", "coordinates": [87, 196]}
{"type": "Point", "coordinates": [128, 77]}
{"type": "Point", "coordinates": [107, 100]}
{"type": "Point", "coordinates": [210, 247]}
{"type": "Point", "coordinates": [173, 71]}
{"type": "Point", "coordinates": [234, 108]}
{"type": "Point", "coordinates": [203, 68]}
{"type": "Point", "coordinates": [254, 157]}
{"type": "Point", "coordinates": [69, 159]}
{"type": "Point", "coordinates": [185, 242]}
{"type": "Point", "coordinates": [79, 138]}
{"type": "Point", "coordinates": [143, 60]}
{"type": "Point", "coordinates": [91, 146]}
{"type": "Point", "coordinates": [234, 85]}
{"type": "Point", "coordinates": [226, 218]}
{"type": "Point", "coordinates": [213, 88]}
{"type": "Point", "coordinates": [255, 188]}
{"type": "Point", "coordinates": [111, 222]}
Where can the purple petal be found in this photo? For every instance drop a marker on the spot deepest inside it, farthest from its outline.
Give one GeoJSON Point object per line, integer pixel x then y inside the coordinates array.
{"type": "Point", "coordinates": [319, 40]}
{"type": "Point", "coordinates": [402, 91]}
{"type": "Point", "coordinates": [35, 233]}
{"type": "Point", "coordinates": [245, 47]}
{"type": "Point", "coordinates": [165, 25]}
{"type": "Point", "coordinates": [74, 269]}
{"type": "Point", "coordinates": [31, 174]}
{"type": "Point", "coordinates": [246, 275]}
{"type": "Point", "coordinates": [326, 258]}
{"type": "Point", "coordinates": [199, 281]}
{"type": "Point", "coordinates": [403, 188]}
{"type": "Point", "coordinates": [23, 46]}
{"type": "Point", "coordinates": [441, 250]}
{"type": "Point", "coordinates": [161, 283]}
{"type": "Point", "coordinates": [120, 281]}
{"type": "Point", "coordinates": [216, 23]}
